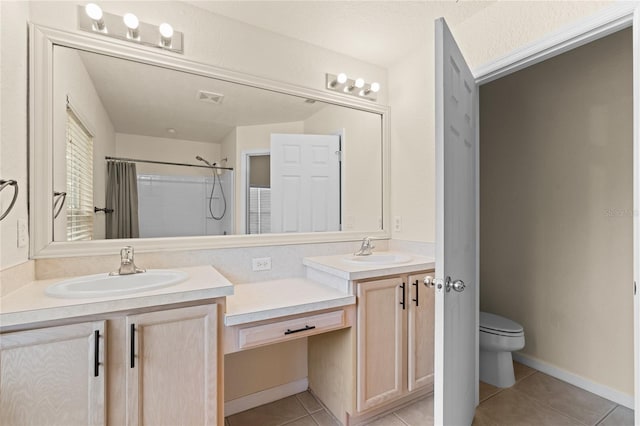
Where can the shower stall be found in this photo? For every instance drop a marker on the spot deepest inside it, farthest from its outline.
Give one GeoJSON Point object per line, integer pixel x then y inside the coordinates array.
{"type": "Point", "coordinates": [183, 205]}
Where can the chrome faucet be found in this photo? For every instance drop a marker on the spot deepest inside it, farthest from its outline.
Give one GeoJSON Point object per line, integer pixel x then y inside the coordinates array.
{"type": "Point", "coordinates": [127, 266]}
{"type": "Point", "coordinates": [365, 248]}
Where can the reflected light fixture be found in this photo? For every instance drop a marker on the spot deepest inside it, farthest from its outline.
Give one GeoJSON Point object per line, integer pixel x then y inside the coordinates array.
{"type": "Point", "coordinates": [343, 84]}
{"type": "Point", "coordinates": [128, 27]}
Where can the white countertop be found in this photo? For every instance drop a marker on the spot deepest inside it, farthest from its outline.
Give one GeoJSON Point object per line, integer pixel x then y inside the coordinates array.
{"type": "Point", "coordinates": [278, 298]}
{"type": "Point", "coordinates": [337, 265]}
{"type": "Point", "coordinates": [30, 304]}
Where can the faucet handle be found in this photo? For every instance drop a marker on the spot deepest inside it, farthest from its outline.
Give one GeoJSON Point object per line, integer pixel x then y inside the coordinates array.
{"type": "Point", "coordinates": [126, 254]}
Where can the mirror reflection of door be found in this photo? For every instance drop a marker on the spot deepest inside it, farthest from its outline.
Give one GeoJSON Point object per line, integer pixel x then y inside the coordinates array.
{"type": "Point", "coordinates": [305, 183]}
{"type": "Point", "coordinates": [259, 194]}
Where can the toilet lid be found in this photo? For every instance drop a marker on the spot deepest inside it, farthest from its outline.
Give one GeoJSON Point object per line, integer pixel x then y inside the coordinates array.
{"type": "Point", "coordinates": [493, 322]}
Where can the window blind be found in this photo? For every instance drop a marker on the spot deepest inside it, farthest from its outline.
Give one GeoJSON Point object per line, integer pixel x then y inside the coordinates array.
{"type": "Point", "coordinates": [79, 180]}
{"type": "Point", "coordinates": [259, 210]}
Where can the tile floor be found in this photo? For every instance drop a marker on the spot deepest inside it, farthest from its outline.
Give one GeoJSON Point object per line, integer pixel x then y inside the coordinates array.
{"type": "Point", "coordinates": [536, 399]}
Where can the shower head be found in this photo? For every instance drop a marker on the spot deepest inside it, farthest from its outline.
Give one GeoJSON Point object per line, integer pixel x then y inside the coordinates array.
{"type": "Point", "coordinates": [205, 161]}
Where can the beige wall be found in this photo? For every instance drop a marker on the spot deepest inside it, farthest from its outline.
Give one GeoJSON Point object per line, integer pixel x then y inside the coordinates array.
{"type": "Point", "coordinates": [263, 368]}
{"type": "Point", "coordinates": [492, 32]}
{"type": "Point", "coordinates": [13, 125]}
{"type": "Point", "coordinates": [556, 208]}
{"type": "Point", "coordinates": [167, 149]}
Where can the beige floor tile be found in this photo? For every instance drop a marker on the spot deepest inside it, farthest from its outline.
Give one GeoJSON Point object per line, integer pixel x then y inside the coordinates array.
{"type": "Point", "coordinates": [487, 390]}
{"type": "Point", "coordinates": [621, 416]}
{"type": "Point", "coordinates": [309, 402]}
{"type": "Point", "coordinates": [324, 419]}
{"type": "Point", "coordinates": [420, 413]}
{"type": "Point", "coordinates": [513, 408]}
{"type": "Point", "coordinates": [522, 371]}
{"type": "Point", "coordinates": [568, 399]}
{"type": "Point", "coordinates": [305, 421]}
{"type": "Point", "coordinates": [273, 414]}
{"type": "Point", "coordinates": [388, 420]}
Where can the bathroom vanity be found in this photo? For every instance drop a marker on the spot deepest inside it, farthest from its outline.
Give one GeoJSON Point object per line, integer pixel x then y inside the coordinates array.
{"type": "Point", "coordinates": [102, 360]}
{"type": "Point", "coordinates": [388, 356]}
{"type": "Point", "coordinates": [368, 328]}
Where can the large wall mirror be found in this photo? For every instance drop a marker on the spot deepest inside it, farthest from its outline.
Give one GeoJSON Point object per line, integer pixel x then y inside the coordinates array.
{"type": "Point", "coordinates": [142, 146]}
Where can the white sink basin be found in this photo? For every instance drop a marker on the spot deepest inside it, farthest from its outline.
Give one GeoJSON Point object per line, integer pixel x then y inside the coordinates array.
{"type": "Point", "coordinates": [379, 259]}
{"type": "Point", "coordinates": [104, 285]}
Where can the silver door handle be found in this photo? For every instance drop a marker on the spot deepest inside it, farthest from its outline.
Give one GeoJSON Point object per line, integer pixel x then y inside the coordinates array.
{"type": "Point", "coordinates": [457, 285]}
{"type": "Point", "coordinates": [429, 281]}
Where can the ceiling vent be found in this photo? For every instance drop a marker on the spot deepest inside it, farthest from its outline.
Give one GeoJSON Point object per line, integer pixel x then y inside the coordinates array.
{"type": "Point", "coordinates": [211, 97]}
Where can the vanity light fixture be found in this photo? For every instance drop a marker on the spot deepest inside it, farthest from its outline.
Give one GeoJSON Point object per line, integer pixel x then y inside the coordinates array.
{"type": "Point", "coordinates": [132, 23]}
{"type": "Point", "coordinates": [166, 32]}
{"type": "Point", "coordinates": [94, 12]}
{"type": "Point", "coordinates": [343, 84]}
{"type": "Point", "coordinates": [128, 27]}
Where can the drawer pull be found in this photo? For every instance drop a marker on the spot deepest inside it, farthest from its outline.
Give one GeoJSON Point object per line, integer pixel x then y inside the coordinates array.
{"type": "Point", "coordinates": [96, 353]}
{"type": "Point", "coordinates": [306, 327]}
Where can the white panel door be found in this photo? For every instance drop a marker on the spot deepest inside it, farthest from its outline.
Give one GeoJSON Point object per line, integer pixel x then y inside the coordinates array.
{"type": "Point", "coordinates": [456, 330]}
{"type": "Point", "coordinates": [636, 203]}
{"type": "Point", "coordinates": [305, 183]}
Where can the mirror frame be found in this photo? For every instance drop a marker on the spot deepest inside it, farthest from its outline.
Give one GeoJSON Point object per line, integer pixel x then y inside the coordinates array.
{"type": "Point", "coordinates": [41, 42]}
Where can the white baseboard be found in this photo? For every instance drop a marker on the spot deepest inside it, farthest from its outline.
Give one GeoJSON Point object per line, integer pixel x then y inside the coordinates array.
{"type": "Point", "coordinates": [264, 397]}
{"type": "Point", "coordinates": [579, 381]}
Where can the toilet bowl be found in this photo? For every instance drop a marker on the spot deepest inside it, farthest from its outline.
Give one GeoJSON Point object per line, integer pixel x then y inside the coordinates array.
{"type": "Point", "coordinates": [499, 337]}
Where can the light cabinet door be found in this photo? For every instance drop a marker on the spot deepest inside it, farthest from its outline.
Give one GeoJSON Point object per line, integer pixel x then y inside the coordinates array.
{"type": "Point", "coordinates": [172, 367]}
{"type": "Point", "coordinates": [53, 376]}
{"type": "Point", "coordinates": [379, 341]}
{"type": "Point", "coordinates": [420, 329]}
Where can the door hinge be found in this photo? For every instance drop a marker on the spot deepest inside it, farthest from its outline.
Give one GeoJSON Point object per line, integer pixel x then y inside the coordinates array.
{"type": "Point", "coordinates": [339, 154]}
{"type": "Point", "coordinates": [635, 288]}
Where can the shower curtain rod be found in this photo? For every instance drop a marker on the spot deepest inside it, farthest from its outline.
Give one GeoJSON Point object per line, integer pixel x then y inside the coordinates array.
{"type": "Point", "coordinates": [134, 160]}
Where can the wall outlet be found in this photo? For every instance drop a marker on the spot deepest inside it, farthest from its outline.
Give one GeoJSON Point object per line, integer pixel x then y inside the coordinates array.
{"type": "Point", "coordinates": [397, 223]}
{"type": "Point", "coordinates": [23, 233]}
{"type": "Point", "coordinates": [261, 264]}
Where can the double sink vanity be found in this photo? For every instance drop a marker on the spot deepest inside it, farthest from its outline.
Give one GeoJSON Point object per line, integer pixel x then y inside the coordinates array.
{"type": "Point", "coordinates": [149, 348]}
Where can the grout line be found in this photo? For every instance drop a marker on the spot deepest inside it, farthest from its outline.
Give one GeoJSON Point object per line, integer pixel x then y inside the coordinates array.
{"type": "Point", "coordinates": [288, 422]}
{"type": "Point", "coordinates": [548, 407]}
{"type": "Point", "coordinates": [400, 418]}
{"type": "Point", "coordinates": [607, 415]}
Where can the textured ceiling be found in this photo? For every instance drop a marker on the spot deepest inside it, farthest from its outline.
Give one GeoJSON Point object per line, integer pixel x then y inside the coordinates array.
{"type": "Point", "coordinates": [147, 100]}
{"type": "Point", "coordinates": [377, 32]}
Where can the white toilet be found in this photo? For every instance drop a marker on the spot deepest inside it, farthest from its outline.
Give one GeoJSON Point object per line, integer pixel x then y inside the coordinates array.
{"type": "Point", "coordinates": [499, 337]}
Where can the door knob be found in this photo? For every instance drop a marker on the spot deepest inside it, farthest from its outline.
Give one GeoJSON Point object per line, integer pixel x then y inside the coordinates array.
{"type": "Point", "coordinates": [429, 281]}
{"type": "Point", "coordinates": [457, 285]}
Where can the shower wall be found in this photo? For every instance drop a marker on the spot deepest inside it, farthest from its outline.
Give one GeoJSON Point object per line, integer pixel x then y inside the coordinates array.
{"type": "Point", "coordinates": [170, 206]}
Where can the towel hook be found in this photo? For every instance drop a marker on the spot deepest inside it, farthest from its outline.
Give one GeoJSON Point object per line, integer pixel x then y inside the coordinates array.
{"type": "Point", "coordinates": [3, 185]}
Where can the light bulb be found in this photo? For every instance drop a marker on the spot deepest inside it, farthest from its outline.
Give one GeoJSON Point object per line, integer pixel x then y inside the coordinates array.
{"type": "Point", "coordinates": [93, 11]}
{"type": "Point", "coordinates": [166, 30]}
{"type": "Point", "coordinates": [341, 78]}
{"type": "Point", "coordinates": [131, 21]}
{"type": "Point", "coordinates": [359, 83]}
{"type": "Point", "coordinates": [375, 87]}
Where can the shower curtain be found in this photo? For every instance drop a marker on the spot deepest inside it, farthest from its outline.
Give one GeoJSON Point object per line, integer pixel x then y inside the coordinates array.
{"type": "Point", "coordinates": [122, 197]}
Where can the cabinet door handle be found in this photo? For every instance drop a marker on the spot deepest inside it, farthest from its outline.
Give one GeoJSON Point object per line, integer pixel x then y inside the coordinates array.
{"type": "Point", "coordinates": [417, 299]}
{"type": "Point", "coordinates": [133, 345]}
{"type": "Point", "coordinates": [96, 353]}
{"type": "Point", "coordinates": [403, 296]}
{"type": "Point", "coordinates": [306, 327]}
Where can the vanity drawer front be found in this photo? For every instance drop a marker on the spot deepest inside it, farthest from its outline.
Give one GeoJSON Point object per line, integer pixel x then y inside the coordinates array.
{"type": "Point", "coordinates": [290, 329]}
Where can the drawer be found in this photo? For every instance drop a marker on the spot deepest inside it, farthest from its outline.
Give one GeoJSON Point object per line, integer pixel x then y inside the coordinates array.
{"type": "Point", "coordinates": [290, 329]}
